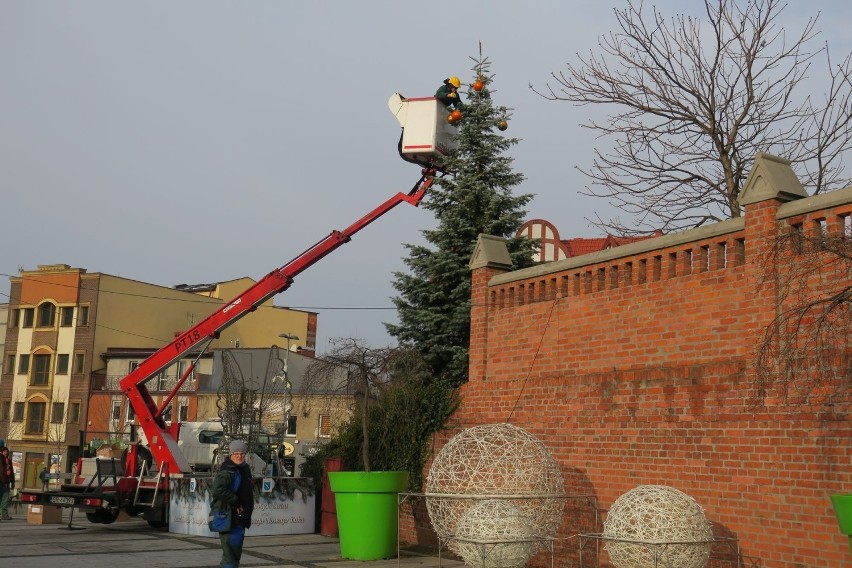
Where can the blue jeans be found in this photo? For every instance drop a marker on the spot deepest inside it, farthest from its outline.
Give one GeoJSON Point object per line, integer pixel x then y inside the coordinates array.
{"type": "Point", "coordinates": [232, 546]}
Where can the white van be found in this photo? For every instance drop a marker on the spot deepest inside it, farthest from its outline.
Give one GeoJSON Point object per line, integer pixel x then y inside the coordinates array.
{"type": "Point", "coordinates": [200, 441]}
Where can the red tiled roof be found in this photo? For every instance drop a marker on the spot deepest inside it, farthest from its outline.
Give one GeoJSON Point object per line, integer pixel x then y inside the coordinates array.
{"type": "Point", "coordinates": [579, 246]}
{"type": "Point", "coordinates": [553, 247]}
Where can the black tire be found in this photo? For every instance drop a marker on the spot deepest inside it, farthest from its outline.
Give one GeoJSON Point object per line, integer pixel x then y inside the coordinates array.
{"type": "Point", "coordinates": [135, 511]}
{"type": "Point", "coordinates": [158, 524]}
{"type": "Point", "coordinates": [143, 457]}
{"type": "Point", "coordinates": [103, 516]}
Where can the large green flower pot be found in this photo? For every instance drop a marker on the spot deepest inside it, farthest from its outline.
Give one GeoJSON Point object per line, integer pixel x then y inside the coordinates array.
{"type": "Point", "coordinates": [843, 509]}
{"type": "Point", "coordinates": [367, 512]}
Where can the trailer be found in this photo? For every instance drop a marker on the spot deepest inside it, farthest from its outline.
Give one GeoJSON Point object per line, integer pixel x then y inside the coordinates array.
{"type": "Point", "coordinates": [137, 482]}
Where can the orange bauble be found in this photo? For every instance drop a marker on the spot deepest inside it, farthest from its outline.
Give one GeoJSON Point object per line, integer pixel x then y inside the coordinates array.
{"type": "Point", "coordinates": [478, 86]}
{"type": "Point", "coordinates": [502, 125]}
{"type": "Point", "coordinates": [455, 116]}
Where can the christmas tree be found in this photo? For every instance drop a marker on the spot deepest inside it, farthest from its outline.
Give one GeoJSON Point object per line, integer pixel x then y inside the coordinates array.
{"type": "Point", "coordinates": [434, 301]}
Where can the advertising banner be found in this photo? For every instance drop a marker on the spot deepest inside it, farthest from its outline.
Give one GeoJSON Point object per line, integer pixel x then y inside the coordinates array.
{"type": "Point", "coordinates": [282, 505]}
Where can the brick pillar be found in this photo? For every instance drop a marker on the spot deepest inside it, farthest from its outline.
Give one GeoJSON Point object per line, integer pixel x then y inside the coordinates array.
{"type": "Point", "coordinates": [490, 258]}
{"type": "Point", "coordinates": [770, 184]}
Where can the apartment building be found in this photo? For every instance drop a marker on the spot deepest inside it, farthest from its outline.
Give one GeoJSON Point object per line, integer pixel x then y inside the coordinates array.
{"type": "Point", "coordinates": [65, 324]}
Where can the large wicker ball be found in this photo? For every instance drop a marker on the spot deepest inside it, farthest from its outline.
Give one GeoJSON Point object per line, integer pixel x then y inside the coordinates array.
{"type": "Point", "coordinates": [651, 516]}
{"type": "Point", "coordinates": [499, 460]}
{"type": "Point", "coordinates": [495, 534]}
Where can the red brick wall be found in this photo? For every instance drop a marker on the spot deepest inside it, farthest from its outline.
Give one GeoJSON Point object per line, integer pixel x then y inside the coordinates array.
{"type": "Point", "coordinates": [637, 370]}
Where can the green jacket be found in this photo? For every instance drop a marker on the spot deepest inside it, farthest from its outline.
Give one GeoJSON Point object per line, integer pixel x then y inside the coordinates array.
{"type": "Point", "coordinates": [224, 498]}
{"type": "Point", "coordinates": [446, 95]}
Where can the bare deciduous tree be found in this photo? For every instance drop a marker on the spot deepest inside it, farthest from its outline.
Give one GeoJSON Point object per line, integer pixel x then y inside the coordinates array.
{"type": "Point", "coordinates": [804, 357]}
{"type": "Point", "coordinates": [696, 100]}
{"type": "Point", "coordinates": [366, 372]}
{"type": "Point", "coordinates": [245, 403]}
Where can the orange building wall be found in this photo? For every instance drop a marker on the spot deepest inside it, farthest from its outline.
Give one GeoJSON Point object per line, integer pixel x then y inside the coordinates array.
{"type": "Point", "coordinates": [60, 287]}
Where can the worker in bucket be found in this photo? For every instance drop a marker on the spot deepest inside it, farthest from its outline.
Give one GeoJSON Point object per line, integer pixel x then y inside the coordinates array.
{"type": "Point", "coordinates": [232, 487]}
{"type": "Point", "coordinates": [448, 93]}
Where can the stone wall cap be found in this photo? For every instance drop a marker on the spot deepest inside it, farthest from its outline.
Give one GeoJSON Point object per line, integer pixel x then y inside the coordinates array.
{"type": "Point", "coordinates": [490, 252]}
{"type": "Point", "coordinates": [771, 177]}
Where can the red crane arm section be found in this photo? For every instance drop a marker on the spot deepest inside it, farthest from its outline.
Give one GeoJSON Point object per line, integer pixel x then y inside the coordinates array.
{"type": "Point", "coordinates": [162, 440]}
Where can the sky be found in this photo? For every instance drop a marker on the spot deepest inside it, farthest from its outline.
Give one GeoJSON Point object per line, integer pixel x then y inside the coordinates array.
{"type": "Point", "coordinates": [193, 142]}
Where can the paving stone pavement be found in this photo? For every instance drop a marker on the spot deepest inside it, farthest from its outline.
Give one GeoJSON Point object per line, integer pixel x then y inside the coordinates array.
{"type": "Point", "coordinates": [133, 544]}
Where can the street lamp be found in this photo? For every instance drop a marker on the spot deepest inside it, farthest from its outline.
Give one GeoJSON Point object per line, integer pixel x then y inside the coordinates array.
{"type": "Point", "coordinates": [289, 337]}
{"type": "Point", "coordinates": [287, 384]}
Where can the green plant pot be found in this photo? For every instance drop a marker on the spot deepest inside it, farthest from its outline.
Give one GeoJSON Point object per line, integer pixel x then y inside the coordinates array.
{"type": "Point", "coordinates": [843, 509]}
{"type": "Point", "coordinates": [367, 512]}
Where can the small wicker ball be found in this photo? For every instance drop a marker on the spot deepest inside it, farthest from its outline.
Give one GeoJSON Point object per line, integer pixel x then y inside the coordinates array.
{"type": "Point", "coordinates": [653, 515]}
{"type": "Point", "coordinates": [498, 460]}
{"type": "Point", "coordinates": [503, 533]}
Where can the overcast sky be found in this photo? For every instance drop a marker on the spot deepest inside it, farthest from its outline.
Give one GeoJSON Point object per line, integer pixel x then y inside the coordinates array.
{"type": "Point", "coordinates": [192, 142]}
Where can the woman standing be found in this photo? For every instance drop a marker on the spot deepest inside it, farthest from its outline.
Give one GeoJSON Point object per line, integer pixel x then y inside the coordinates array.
{"type": "Point", "coordinates": [232, 488]}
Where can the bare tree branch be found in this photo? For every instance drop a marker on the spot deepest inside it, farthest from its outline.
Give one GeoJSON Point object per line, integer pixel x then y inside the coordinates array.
{"type": "Point", "coordinates": [695, 100]}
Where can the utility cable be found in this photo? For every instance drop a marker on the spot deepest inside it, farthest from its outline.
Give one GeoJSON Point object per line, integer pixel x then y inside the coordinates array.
{"type": "Point", "coordinates": [534, 359]}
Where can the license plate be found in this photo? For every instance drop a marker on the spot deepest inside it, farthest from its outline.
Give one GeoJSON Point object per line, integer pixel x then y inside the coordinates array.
{"type": "Point", "coordinates": [62, 500]}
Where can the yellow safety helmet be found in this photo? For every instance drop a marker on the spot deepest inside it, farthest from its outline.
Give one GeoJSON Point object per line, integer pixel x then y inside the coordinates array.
{"type": "Point", "coordinates": [454, 81]}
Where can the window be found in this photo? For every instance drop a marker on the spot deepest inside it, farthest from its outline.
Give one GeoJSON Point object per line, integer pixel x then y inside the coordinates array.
{"type": "Point", "coordinates": [41, 370]}
{"type": "Point", "coordinates": [57, 413]}
{"type": "Point", "coordinates": [182, 366]}
{"type": "Point", "coordinates": [210, 436]}
{"type": "Point", "coordinates": [74, 412]}
{"type": "Point", "coordinates": [62, 364]}
{"type": "Point", "coordinates": [183, 411]}
{"type": "Point", "coordinates": [15, 320]}
{"type": "Point", "coordinates": [132, 367]}
{"type": "Point", "coordinates": [5, 410]}
{"type": "Point", "coordinates": [79, 362]}
{"type": "Point", "coordinates": [35, 417]}
{"type": "Point", "coordinates": [131, 414]}
{"type": "Point", "coordinates": [167, 413]}
{"type": "Point", "coordinates": [291, 427]}
{"type": "Point", "coordinates": [10, 363]}
{"type": "Point", "coordinates": [116, 410]}
{"type": "Point", "coordinates": [83, 316]}
{"type": "Point", "coordinates": [18, 416]}
{"type": "Point", "coordinates": [162, 381]}
{"type": "Point", "coordinates": [46, 314]}
{"type": "Point", "coordinates": [324, 430]}
{"type": "Point", "coordinates": [23, 364]}
{"type": "Point", "coordinates": [29, 316]}
{"type": "Point", "coordinates": [66, 316]}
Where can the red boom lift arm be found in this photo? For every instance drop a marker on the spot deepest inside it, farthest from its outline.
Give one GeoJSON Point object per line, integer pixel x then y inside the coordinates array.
{"type": "Point", "coordinates": [162, 439]}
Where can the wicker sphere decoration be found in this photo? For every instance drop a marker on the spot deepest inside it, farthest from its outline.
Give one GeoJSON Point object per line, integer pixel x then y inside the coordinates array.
{"type": "Point", "coordinates": [494, 460]}
{"type": "Point", "coordinates": [494, 533]}
{"type": "Point", "coordinates": [656, 515]}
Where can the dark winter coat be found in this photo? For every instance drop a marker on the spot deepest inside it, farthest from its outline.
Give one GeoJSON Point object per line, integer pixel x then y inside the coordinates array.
{"type": "Point", "coordinates": [241, 503]}
{"type": "Point", "coordinates": [7, 472]}
{"type": "Point", "coordinates": [446, 95]}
